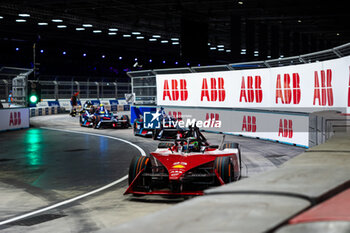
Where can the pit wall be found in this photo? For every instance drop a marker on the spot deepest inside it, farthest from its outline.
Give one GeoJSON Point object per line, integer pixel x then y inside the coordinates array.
{"type": "Point", "coordinates": [14, 118]}
{"type": "Point", "coordinates": [302, 88]}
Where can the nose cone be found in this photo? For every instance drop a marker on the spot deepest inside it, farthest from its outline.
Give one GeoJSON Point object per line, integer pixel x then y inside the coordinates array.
{"type": "Point", "coordinates": [176, 171]}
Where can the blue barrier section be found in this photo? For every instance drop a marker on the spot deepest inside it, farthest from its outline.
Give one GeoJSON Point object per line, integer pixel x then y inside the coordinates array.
{"type": "Point", "coordinates": [32, 112]}
{"type": "Point", "coordinates": [53, 103]}
{"type": "Point", "coordinates": [113, 102]}
{"type": "Point", "coordinates": [135, 112]}
{"type": "Point", "coordinates": [126, 107]}
{"type": "Point", "coordinates": [114, 108]}
{"type": "Point", "coordinates": [95, 102]}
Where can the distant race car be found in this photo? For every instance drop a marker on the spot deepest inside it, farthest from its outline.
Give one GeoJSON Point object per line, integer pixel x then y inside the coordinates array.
{"type": "Point", "coordinates": [87, 115]}
{"type": "Point", "coordinates": [102, 118]}
{"type": "Point", "coordinates": [86, 118]}
{"type": "Point", "coordinates": [185, 167]}
{"type": "Point", "coordinates": [169, 128]}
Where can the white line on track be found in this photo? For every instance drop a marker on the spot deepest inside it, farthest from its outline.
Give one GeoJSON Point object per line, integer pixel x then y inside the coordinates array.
{"type": "Point", "coordinates": [143, 153]}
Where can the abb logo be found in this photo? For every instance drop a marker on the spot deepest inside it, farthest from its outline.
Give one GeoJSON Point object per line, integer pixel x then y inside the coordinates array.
{"type": "Point", "coordinates": [290, 91]}
{"type": "Point", "coordinates": [324, 92]}
{"type": "Point", "coordinates": [249, 124]}
{"type": "Point", "coordinates": [176, 115]}
{"type": "Point", "coordinates": [178, 90]}
{"type": "Point", "coordinates": [212, 116]}
{"type": "Point", "coordinates": [285, 129]}
{"type": "Point", "coordinates": [217, 90]}
{"type": "Point", "coordinates": [251, 90]}
{"type": "Point", "coordinates": [15, 118]}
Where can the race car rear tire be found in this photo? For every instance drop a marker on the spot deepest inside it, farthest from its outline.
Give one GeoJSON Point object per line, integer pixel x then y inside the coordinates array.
{"type": "Point", "coordinates": [81, 121]}
{"type": "Point", "coordinates": [135, 127]}
{"type": "Point", "coordinates": [155, 134]}
{"type": "Point", "coordinates": [127, 124]}
{"type": "Point", "coordinates": [137, 164]}
{"type": "Point", "coordinates": [224, 168]}
{"type": "Point", "coordinates": [230, 145]}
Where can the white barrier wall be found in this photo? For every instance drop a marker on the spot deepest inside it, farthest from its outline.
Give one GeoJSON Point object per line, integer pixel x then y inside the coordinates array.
{"type": "Point", "coordinates": [322, 85]}
{"type": "Point", "coordinates": [14, 118]}
{"type": "Point", "coordinates": [283, 127]}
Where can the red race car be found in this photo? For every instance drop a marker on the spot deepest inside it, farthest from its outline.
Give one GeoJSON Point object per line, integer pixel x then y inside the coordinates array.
{"type": "Point", "coordinates": [185, 167]}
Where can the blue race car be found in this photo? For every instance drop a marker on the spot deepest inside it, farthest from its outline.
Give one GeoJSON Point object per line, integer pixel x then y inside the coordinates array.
{"type": "Point", "coordinates": [168, 127]}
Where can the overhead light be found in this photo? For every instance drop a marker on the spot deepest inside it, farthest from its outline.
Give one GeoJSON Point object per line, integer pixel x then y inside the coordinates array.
{"type": "Point", "coordinates": [87, 25]}
{"type": "Point", "coordinates": [1, 17]}
{"type": "Point", "coordinates": [156, 36]}
{"type": "Point", "coordinates": [61, 26]}
{"type": "Point", "coordinates": [221, 50]}
{"type": "Point", "coordinates": [174, 39]}
{"type": "Point", "coordinates": [152, 39]}
{"type": "Point", "coordinates": [64, 52]}
{"type": "Point", "coordinates": [17, 49]}
{"type": "Point", "coordinates": [96, 31]}
{"type": "Point", "coordinates": [140, 37]}
{"type": "Point", "coordinates": [135, 59]}
{"type": "Point", "coordinates": [126, 35]}
{"type": "Point", "coordinates": [136, 33]}
{"type": "Point", "coordinates": [212, 48]}
{"type": "Point", "coordinates": [113, 29]}
{"type": "Point", "coordinates": [208, 44]}
{"type": "Point", "coordinates": [164, 62]}
{"type": "Point", "coordinates": [57, 20]}
{"type": "Point", "coordinates": [80, 29]}
{"type": "Point", "coordinates": [103, 56]}
{"type": "Point", "coordinates": [24, 15]}
{"type": "Point", "coordinates": [21, 20]}
{"type": "Point", "coordinates": [84, 54]}
{"type": "Point", "coordinates": [256, 51]}
{"type": "Point", "coordinates": [220, 46]}
{"type": "Point", "coordinates": [42, 24]}
{"type": "Point", "coordinates": [188, 64]}
{"type": "Point", "coordinates": [150, 60]}
{"type": "Point", "coordinates": [228, 50]}
{"type": "Point", "coordinates": [164, 41]}
{"type": "Point", "coordinates": [120, 58]}
{"type": "Point", "coordinates": [299, 21]}
{"type": "Point", "coordinates": [176, 63]}
{"type": "Point", "coordinates": [112, 33]}
{"type": "Point", "coordinates": [240, 3]}
{"type": "Point", "coordinates": [41, 51]}
{"type": "Point", "coordinates": [175, 43]}
{"type": "Point", "coordinates": [268, 56]}
{"type": "Point", "coordinates": [338, 34]}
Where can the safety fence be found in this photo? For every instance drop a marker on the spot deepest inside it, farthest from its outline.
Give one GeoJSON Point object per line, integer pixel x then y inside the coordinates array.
{"type": "Point", "coordinates": [15, 80]}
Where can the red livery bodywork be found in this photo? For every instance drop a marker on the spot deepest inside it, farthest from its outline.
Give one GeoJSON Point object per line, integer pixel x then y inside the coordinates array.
{"type": "Point", "coordinates": [172, 171]}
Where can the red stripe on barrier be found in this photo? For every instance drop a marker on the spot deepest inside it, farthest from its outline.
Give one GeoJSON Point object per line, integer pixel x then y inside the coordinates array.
{"type": "Point", "coordinates": [335, 209]}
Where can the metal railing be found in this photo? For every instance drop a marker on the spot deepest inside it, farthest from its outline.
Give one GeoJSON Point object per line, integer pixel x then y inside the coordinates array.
{"type": "Point", "coordinates": [16, 79]}
{"type": "Point", "coordinates": [143, 82]}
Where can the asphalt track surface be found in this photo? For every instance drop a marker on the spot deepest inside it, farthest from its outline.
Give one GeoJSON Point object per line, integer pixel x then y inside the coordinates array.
{"type": "Point", "coordinates": [56, 160]}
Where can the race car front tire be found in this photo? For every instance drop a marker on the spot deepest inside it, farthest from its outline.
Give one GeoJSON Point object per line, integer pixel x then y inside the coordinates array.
{"type": "Point", "coordinates": [224, 168]}
{"type": "Point", "coordinates": [137, 164]}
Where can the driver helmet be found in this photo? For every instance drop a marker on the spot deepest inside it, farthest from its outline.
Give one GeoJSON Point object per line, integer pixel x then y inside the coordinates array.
{"type": "Point", "coordinates": [102, 108]}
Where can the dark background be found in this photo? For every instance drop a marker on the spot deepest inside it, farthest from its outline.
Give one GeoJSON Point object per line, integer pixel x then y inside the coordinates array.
{"type": "Point", "coordinates": [264, 29]}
